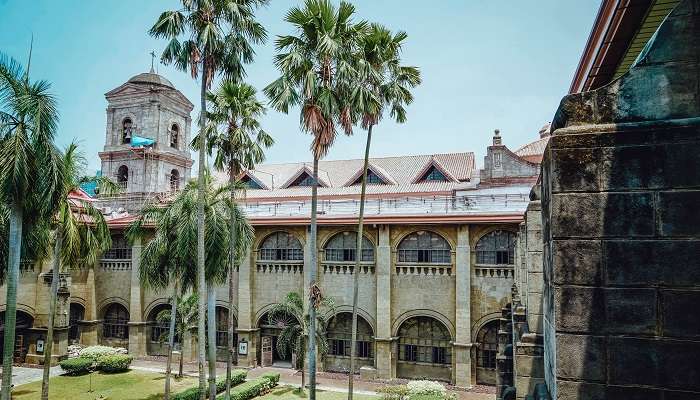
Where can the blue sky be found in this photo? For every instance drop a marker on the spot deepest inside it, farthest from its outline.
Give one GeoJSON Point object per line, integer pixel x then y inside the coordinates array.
{"type": "Point", "coordinates": [485, 65]}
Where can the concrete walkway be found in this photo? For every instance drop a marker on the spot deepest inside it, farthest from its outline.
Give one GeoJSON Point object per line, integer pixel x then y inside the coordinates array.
{"type": "Point", "coordinates": [22, 375]}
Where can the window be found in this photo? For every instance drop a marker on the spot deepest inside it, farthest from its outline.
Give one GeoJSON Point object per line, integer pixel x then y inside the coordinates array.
{"type": "Point", "coordinates": [123, 176]}
{"type": "Point", "coordinates": [340, 336]}
{"type": "Point", "coordinates": [250, 183]}
{"type": "Point", "coordinates": [497, 247]}
{"type": "Point", "coordinates": [174, 180]}
{"type": "Point", "coordinates": [120, 249]}
{"type": "Point", "coordinates": [372, 179]}
{"type": "Point", "coordinates": [174, 136]}
{"type": "Point", "coordinates": [343, 245]}
{"type": "Point", "coordinates": [488, 345]}
{"type": "Point", "coordinates": [76, 314]}
{"type": "Point", "coordinates": [281, 246]}
{"type": "Point", "coordinates": [434, 174]}
{"type": "Point", "coordinates": [424, 340]}
{"type": "Point", "coordinates": [424, 247]}
{"type": "Point", "coordinates": [160, 330]}
{"type": "Point", "coordinates": [222, 327]}
{"type": "Point", "coordinates": [304, 179]}
{"type": "Point", "coordinates": [127, 130]}
{"type": "Point", "coordinates": [115, 322]}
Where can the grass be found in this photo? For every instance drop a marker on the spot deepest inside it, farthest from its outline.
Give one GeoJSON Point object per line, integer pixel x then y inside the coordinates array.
{"type": "Point", "coordinates": [292, 393]}
{"type": "Point", "coordinates": [131, 385]}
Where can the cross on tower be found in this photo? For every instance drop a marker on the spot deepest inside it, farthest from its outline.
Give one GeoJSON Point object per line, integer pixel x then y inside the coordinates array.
{"type": "Point", "coordinates": [153, 57]}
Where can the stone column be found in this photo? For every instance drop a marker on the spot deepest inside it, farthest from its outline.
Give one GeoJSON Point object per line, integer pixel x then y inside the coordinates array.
{"type": "Point", "coordinates": [89, 327]}
{"type": "Point", "coordinates": [462, 344]}
{"type": "Point", "coordinates": [385, 354]}
{"type": "Point", "coordinates": [137, 327]}
{"type": "Point", "coordinates": [247, 331]}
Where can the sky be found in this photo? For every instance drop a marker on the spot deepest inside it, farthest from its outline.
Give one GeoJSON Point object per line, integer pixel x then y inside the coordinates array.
{"type": "Point", "coordinates": [485, 65]}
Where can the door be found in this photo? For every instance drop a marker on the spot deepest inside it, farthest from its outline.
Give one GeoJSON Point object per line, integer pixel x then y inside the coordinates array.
{"type": "Point", "coordinates": [266, 351]}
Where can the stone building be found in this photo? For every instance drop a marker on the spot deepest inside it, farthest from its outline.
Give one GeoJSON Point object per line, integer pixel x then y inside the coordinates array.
{"type": "Point", "coordinates": [437, 264]}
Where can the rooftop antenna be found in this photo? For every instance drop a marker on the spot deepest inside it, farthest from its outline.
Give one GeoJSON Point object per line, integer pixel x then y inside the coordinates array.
{"type": "Point", "coordinates": [153, 57]}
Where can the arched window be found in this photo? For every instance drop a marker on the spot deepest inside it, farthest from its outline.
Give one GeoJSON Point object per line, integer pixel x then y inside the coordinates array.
{"type": "Point", "coordinates": [115, 322]}
{"type": "Point", "coordinates": [339, 334]}
{"type": "Point", "coordinates": [342, 247]}
{"type": "Point", "coordinates": [127, 130]}
{"type": "Point", "coordinates": [174, 180]}
{"type": "Point", "coordinates": [424, 247]}
{"type": "Point", "coordinates": [281, 246]}
{"type": "Point", "coordinates": [488, 345]}
{"type": "Point", "coordinates": [497, 247]}
{"type": "Point", "coordinates": [424, 340]}
{"type": "Point", "coordinates": [77, 314]}
{"type": "Point", "coordinates": [174, 136]}
{"type": "Point", "coordinates": [123, 176]}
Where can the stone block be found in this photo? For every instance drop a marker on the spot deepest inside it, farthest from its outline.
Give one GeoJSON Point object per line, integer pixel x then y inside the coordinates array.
{"type": "Point", "coordinates": [575, 170]}
{"type": "Point", "coordinates": [534, 240]}
{"type": "Point", "coordinates": [581, 357]}
{"type": "Point", "coordinates": [579, 309]}
{"type": "Point", "coordinates": [535, 261]}
{"type": "Point", "coordinates": [535, 282]}
{"type": "Point", "coordinates": [534, 303]}
{"type": "Point", "coordinates": [634, 361]}
{"type": "Point", "coordinates": [682, 157]}
{"type": "Point", "coordinates": [568, 390]}
{"type": "Point", "coordinates": [632, 167]}
{"type": "Point", "coordinates": [577, 262]}
{"type": "Point", "coordinates": [526, 385]}
{"type": "Point", "coordinates": [657, 262]}
{"type": "Point", "coordinates": [529, 366]}
{"type": "Point", "coordinates": [633, 393]}
{"type": "Point", "coordinates": [679, 317]}
{"type": "Point", "coordinates": [602, 214]}
{"type": "Point", "coordinates": [679, 395]}
{"type": "Point", "coordinates": [678, 215]}
{"type": "Point", "coordinates": [630, 311]}
{"type": "Point", "coordinates": [679, 368]}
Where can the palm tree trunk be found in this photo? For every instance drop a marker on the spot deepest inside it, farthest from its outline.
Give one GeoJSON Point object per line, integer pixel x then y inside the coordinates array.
{"type": "Point", "coordinates": [201, 278]}
{"type": "Point", "coordinates": [211, 339]}
{"type": "Point", "coordinates": [358, 259]}
{"type": "Point", "coordinates": [303, 374]}
{"type": "Point", "coordinates": [53, 299]}
{"type": "Point", "coordinates": [180, 366]}
{"type": "Point", "coordinates": [171, 343]}
{"type": "Point", "coordinates": [232, 267]}
{"type": "Point", "coordinates": [312, 273]}
{"type": "Point", "coordinates": [13, 258]}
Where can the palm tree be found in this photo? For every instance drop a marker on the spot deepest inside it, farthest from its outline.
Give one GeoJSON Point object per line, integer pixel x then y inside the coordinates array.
{"type": "Point", "coordinates": [185, 320]}
{"type": "Point", "coordinates": [168, 258]}
{"type": "Point", "coordinates": [208, 37]}
{"type": "Point", "coordinates": [316, 74]}
{"type": "Point", "coordinates": [30, 173]}
{"type": "Point", "coordinates": [81, 234]}
{"type": "Point", "coordinates": [240, 143]}
{"type": "Point", "coordinates": [384, 84]}
{"type": "Point", "coordinates": [295, 319]}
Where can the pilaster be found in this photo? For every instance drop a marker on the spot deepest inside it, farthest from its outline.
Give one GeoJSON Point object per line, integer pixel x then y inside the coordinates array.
{"type": "Point", "coordinates": [462, 343]}
{"type": "Point", "coordinates": [245, 329]}
{"type": "Point", "coordinates": [137, 337]}
{"type": "Point", "coordinates": [385, 354]}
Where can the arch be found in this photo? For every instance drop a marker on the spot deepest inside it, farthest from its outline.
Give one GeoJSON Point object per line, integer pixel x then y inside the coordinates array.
{"type": "Point", "coordinates": [127, 130]}
{"type": "Point", "coordinates": [339, 333]}
{"type": "Point", "coordinates": [424, 247]}
{"type": "Point", "coordinates": [115, 322]}
{"type": "Point", "coordinates": [174, 135]}
{"type": "Point", "coordinates": [348, 309]}
{"type": "Point", "coordinates": [487, 350]}
{"type": "Point", "coordinates": [485, 319]}
{"type": "Point", "coordinates": [280, 246]}
{"type": "Point", "coordinates": [102, 306]}
{"type": "Point", "coordinates": [158, 331]}
{"type": "Point", "coordinates": [496, 247]}
{"type": "Point", "coordinates": [123, 176]}
{"type": "Point", "coordinates": [342, 246]}
{"type": "Point", "coordinates": [426, 340]}
{"type": "Point", "coordinates": [174, 180]}
{"type": "Point", "coordinates": [157, 303]}
{"type": "Point", "coordinates": [26, 308]}
{"type": "Point", "coordinates": [423, 313]}
{"type": "Point", "coordinates": [76, 313]}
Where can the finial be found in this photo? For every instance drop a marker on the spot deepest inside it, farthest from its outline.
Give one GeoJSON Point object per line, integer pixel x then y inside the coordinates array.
{"type": "Point", "coordinates": [497, 137]}
{"type": "Point", "coordinates": [153, 57]}
{"type": "Point", "coordinates": [497, 132]}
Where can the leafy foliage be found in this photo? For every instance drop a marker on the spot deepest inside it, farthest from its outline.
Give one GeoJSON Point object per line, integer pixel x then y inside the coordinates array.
{"type": "Point", "coordinates": [186, 318]}
{"type": "Point", "coordinates": [114, 363]}
{"type": "Point", "coordinates": [255, 387]}
{"type": "Point", "coordinates": [95, 352]}
{"type": "Point", "coordinates": [77, 366]}
{"type": "Point", "coordinates": [237, 377]}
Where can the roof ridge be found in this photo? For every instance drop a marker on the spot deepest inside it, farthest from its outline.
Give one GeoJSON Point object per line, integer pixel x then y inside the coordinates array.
{"type": "Point", "coordinates": [372, 158]}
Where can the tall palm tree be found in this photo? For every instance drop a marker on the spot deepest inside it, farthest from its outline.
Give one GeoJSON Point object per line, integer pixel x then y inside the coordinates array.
{"type": "Point", "coordinates": [316, 75]}
{"type": "Point", "coordinates": [209, 37]}
{"type": "Point", "coordinates": [295, 320]}
{"type": "Point", "coordinates": [168, 258]}
{"type": "Point", "coordinates": [239, 142]}
{"type": "Point", "coordinates": [30, 172]}
{"type": "Point", "coordinates": [81, 234]}
{"type": "Point", "coordinates": [185, 320]}
{"type": "Point", "coordinates": [383, 84]}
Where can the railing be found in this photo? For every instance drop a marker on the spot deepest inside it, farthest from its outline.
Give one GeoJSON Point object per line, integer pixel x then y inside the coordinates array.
{"type": "Point", "coordinates": [330, 267]}
{"type": "Point", "coordinates": [494, 271]}
{"type": "Point", "coordinates": [427, 269]}
{"type": "Point", "coordinates": [26, 266]}
{"type": "Point", "coordinates": [115, 265]}
{"type": "Point", "coordinates": [278, 267]}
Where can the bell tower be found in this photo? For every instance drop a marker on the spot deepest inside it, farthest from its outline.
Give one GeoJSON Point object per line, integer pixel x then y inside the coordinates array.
{"type": "Point", "coordinates": [147, 136]}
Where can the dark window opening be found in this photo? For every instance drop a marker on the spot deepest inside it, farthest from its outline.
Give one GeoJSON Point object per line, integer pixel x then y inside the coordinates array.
{"type": "Point", "coordinates": [303, 180]}
{"type": "Point", "coordinates": [343, 246]}
{"type": "Point", "coordinates": [281, 246]}
{"type": "Point", "coordinates": [434, 174]}
{"type": "Point", "coordinates": [127, 130]}
{"type": "Point", "coordinates": [424, 247]}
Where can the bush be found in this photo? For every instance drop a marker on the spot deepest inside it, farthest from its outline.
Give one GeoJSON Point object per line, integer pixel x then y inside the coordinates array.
{"type": "Point", "coordinates": [393, 392]}
{"type": "Point", "coordinates": [274, 377]}
{"type": "Point", "coordinates": [237, 377]}
{"type": "Point", "coordinates": [77, 366]}
{"type": "Point", "coordinates": [255, 387]}
{"type": "Point", "coordinates": [95, 352]}
{"type": "Point", "coordinates": [114, 362]}
{"type": "Point", "coordinates": [426, 388]}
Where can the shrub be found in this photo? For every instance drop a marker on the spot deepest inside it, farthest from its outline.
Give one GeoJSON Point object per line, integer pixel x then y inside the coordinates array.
{"type": "Point", "coordinates": [393, 392]}
{"type": "Point", "coordinates": [114, 362]}
{"type": "Point", "coordinates": [95, 352]}
{"type": "Point", "coordinates": [237, 377]}
{"type": "Point", "coordinates": [433, 397]}
{"type": "Point", "coordinates": [274, 377]}
{"type": "Point", "coordinates": [426, 388]}
{"type": "Point", "coordinates": [77, 366]}
{"type": "Point", "coordinates": [255, 387]}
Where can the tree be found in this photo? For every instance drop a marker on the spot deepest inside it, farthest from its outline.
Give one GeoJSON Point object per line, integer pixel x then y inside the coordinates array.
{"type": "Point", "coordinates": [168, 258]}
{"type": "Point", "coordinates": [81, 234]}
{"type": "Point", "coordinates": [185, 321]}
{"type": "Point", "coordinates": [383, 84]}
{"type": "Point", "coordinates": [30, 173]}
{"type": "Point", "coordinates": [297, 327]}
{"type": "Point", "coordinates": [208, 37]}
{"type": "Point", "coordinates": [239, 142]}
{"type": "Point", "coordinates": [316, 75]}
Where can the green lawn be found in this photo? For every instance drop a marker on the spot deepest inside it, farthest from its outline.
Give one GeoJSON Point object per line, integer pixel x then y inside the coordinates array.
{"type": "Point", "coordinates": [132, 385]}
{"type": "Point", "coordinates": [291, 393]}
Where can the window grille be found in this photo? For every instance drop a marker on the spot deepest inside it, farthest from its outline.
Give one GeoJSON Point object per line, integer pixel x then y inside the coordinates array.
{"type": "Point", "coordinates": [424, 340]}
{"type": "Point", "coordinates": [497, 247]}
{"type": "Point", "coordinates": [281, 246]}
{"type": "Point", "coordinates": [343, 246]}
{"type": "Point", "coordinates": [424, 247]}
{"type": "Point", "coordinates": [116, 322]}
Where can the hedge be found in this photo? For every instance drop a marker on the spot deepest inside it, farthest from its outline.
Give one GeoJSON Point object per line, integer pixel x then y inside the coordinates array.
{"type": "Point", "coordinates": [77, 366]}
{"type": "Point", "coordinates": [254, 388]}
{"type": "Point", "coordinates": [114, 362]}
{"type": "Point", "coordinates": [95, 352]}
{"type": "Point", "coordinates": [237, 377]}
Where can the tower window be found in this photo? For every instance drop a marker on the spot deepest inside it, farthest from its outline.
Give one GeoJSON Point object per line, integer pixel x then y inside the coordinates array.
{"type": "Point", "coordinates": [174, 180]}
{"type": "Point", "coordinates": [123, 176]}
{"type": "Point", "coordinates": [174, 136]}
{"type": "Point", "coordinates": [127, 130]}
